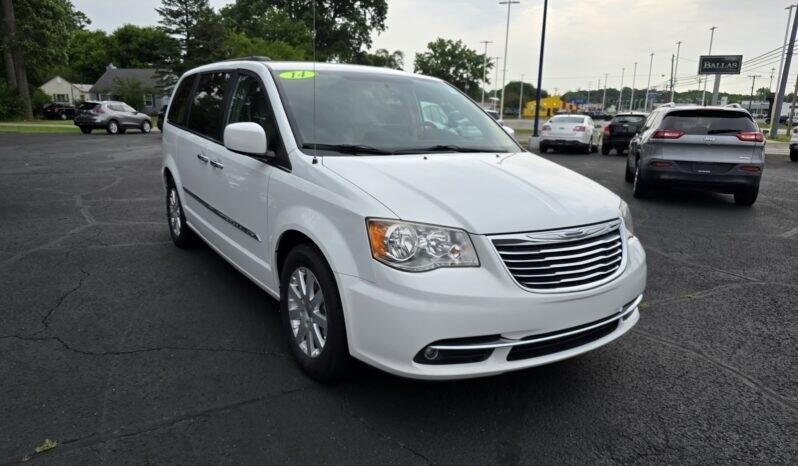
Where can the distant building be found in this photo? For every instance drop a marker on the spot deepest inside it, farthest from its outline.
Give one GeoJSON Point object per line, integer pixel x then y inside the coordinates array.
{"type": "Point", "coordinates": [549, 106]}
{"type": "Point", "coordinates": [62, 91]}
{"type": "Point", "coordinates": [103, 88]}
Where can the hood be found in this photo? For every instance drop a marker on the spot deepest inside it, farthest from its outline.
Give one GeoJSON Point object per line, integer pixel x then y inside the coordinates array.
{"type": "Point", "coordinates": [481, 193]}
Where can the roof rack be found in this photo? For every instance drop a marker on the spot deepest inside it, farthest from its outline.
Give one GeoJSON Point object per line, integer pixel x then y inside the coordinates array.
{"type": "Point", "coordinates": [250, 58]}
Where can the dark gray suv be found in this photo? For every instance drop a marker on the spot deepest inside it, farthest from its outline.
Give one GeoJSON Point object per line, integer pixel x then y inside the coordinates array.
{"type": "Point", "coordinates": [114, 117]}
{"type": "Point", "coordinates": [716, 148]}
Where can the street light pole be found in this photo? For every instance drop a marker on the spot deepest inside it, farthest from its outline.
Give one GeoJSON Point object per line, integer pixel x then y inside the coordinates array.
{"type": "Point", "coordinates": [781, 61]}
{"type": "Point", "coordinates": [588, 95]}
{"type": "Point", "coordinates": [496, 83]}
{"type": "Point", "coordinates": [484, 70]}
{"type": "Point", "coordinates": [604, 98]}
{"type": "Point", "coordinates": [634, 78]}
{"type": "Point", "coordinates": [540, 69]}
{"type": "Point", "coordinates": [672, 59]}
{"type": "Point", "coordinates": [774, 120]}
{"type": "Point", "coordinates": [521, 99]}
{"type": "Point", "coordinates": [506, 39]}
{"type": "Point", "coordinates": [711, 38]}
{"type": "Point", "coordinates": [620, 94]}
{"type": "Point", "coordinates": [676, 70]}
{"type": "Point", "coordinates": [648, 85]}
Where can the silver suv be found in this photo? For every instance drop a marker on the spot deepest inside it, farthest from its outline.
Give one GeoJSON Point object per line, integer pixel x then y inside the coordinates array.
{"type": "Point", "coordinates": [716, 148]}
{"type": "Point", "coordinates": [112, 116]}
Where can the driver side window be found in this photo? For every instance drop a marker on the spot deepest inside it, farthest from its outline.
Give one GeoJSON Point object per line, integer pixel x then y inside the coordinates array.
{"type": "Point", "coordinates": [250, 104]}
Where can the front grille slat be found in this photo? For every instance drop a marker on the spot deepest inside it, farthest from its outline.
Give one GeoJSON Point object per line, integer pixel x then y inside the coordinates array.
{"type": "Point", "coordinates": [564, 260]}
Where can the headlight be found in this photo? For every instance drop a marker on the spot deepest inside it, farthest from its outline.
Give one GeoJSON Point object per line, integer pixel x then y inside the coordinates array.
{"type": "Point", "coordinates": [627, 218]}
{"type": "Point", "coordinates": [417, 247]}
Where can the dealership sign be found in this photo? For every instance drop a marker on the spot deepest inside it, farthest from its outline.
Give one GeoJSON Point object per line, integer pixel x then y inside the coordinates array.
{"type": "Point", "coordinates": [720, 64]}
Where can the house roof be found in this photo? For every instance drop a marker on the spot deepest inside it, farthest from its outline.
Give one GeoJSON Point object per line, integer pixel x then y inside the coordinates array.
{"type": "Point", "coordinates": [83, 87]}
{"type": "Point", "coordinates": [147, 76]}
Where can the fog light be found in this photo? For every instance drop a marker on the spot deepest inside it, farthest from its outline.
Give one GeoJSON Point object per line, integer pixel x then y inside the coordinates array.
{"type": "Point", "coordinates": [430, 354]}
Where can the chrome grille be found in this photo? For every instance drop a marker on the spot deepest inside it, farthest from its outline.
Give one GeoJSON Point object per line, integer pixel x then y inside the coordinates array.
{"type": "Point", "coordinates": [571, 259]}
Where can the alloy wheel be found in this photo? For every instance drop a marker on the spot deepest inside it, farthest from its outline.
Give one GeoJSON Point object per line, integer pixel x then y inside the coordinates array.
{"type": "Point", "coordinates": [174, 212]}
{"type": "Point", "coordinates": [307, 312]}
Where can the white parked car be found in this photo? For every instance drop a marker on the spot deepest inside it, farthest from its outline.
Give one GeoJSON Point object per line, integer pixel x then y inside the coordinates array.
{"type": "Point", "coordinates": [428, 247]}
{"type": "Point", "coordinates": [569, 132]}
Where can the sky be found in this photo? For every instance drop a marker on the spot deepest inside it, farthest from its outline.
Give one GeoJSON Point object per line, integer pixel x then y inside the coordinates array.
{"type": "Point", "coordinates": [584, 38]}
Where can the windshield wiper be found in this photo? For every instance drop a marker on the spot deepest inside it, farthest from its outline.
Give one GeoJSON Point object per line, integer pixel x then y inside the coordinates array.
{"type": "Point", "coordinates": [445, 148]}
{"type": "Point", "coordinates": [347, 148]}
{"type": "Point", "coordinates": [719, 131]}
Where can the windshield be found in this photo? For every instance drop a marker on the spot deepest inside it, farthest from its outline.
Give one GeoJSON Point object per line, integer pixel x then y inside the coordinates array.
{"type": "Point", "coordinates": [705, 122]}
{"type": "Point", "coordinates": [567, 119]}
{"type": "Point", "coordinates": [360, 112]}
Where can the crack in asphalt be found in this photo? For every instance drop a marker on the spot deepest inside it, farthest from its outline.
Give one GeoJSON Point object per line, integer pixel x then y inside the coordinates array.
{"type": "Point", "coordinates": [682, 260]}
{"type": "Point", "coordinates": [737, 373]}
{"type": "Point", "coordinates": [345, 408]}
{"type": "Point", "coordinates": [68, 347]}
{"type": "Point", "coordinates": [96, 438]}
{"type": "Point", "coordinates": [46, 319]}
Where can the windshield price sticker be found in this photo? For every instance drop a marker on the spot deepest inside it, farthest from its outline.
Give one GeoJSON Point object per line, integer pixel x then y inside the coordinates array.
{"type": "Point", "coordinates": [297, 74]}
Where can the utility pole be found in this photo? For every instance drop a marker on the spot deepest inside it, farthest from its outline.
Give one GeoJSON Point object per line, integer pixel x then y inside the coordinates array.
{"type": "Point", "coordinates": [781, 61]}
{"type": "Point", "coordinates": [521, 99]}
{"type": "Point", "coordinates": [672, 59]}
{"type": "Point", "coordinates": [604, 98]}
{"type": "Point", "coordinates": [496, 83]}
{"type": "Point", "coordinates": [770, 85]}
{"type": "Point", "coordinates": [774, 120]}
{"type": "Point", "coordinates": [711, 38]}
{"type": "Point", "coordinates": [753, 83]}
{"type": "Point", "coordinates": [634, 79]}
{"type": "Point", "coordinates": [540, 69]}
{"type": "Point", "coordinates": [648, 85]}
{"type": "Point", "coordinates": [620, 94]}
{"type": "Point", "coordinates": [676, 70]}
{"type": "Point", "coordinates": [588, 95]}
{"type": "Point", "coordinates": [484, 70]}
{"type": "Point", "coordinates": [506, 39]}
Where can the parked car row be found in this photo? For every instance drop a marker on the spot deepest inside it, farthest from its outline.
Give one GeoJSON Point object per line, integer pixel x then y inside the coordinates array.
{"type": "Point", "coordinates": [59, 111]}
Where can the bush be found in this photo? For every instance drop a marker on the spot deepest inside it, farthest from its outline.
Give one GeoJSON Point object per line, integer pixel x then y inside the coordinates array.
{"type": "Point", "coordinates": [131, 91]}
{"type": "Point", "coordinates": [10, 103]}
{"type": "Point", "coordinates": [37, 101]}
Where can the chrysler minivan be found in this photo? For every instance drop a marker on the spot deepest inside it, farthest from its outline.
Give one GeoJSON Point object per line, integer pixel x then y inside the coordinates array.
{"type": "Point", "coordinates": [428, 244]}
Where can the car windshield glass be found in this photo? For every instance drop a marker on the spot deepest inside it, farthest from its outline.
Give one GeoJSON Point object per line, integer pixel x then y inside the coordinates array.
{"type": "Point", "coordinates": [629, 119]}
{"type": "Point", "coordinates": [386, 113]}
{"type": "Point", "coordinates": [704, 122]}
{"type": "Point", "coordinates": [567, 119]}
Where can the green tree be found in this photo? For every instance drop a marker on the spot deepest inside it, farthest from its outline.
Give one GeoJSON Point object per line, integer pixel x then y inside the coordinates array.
{"type": "Point", "coordinates": [270, 24]}
{"type": "Point", "coordinates": [240, 45]}
{"type": "Point", "coordinates": [141, 47]}
{"type": "Point", "coordinates": [343, 27]}
{"type": "Point", "coordinates": [382, 58]}
{"type": "Point", "coordinates": [453, 62]}
{"type": "Point", "coordinates": [198, 30]}
{"type": "Point", "coordinates": [87, 56]}
{"type": "Point", "coordinates": [513, 93]}
{"type": "Point", "coordinates": [131, 91]}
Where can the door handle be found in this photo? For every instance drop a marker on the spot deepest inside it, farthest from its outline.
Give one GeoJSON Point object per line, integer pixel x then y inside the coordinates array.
{"type": "Point", "coordinates": [216, 164]}
{"type": "Point", "coordinates": [202, 158]}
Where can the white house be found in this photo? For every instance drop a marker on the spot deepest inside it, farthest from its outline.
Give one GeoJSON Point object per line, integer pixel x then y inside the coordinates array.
{"type": "Point", "coordinates": [61, 90]}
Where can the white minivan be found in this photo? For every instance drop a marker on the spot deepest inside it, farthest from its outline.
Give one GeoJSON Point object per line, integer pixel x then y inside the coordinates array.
{"type": "Point", "coordinates": [424, 242]}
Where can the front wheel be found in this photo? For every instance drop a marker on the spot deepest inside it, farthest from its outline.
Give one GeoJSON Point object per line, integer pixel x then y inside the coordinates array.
{"type": "Point", "coordinates": [605, 150]}
{"type": "Point", "coordinates": [85, 130]}
{"type": "Point", "coordinates": [146, 127]}
{"type": "Point", "coordinates": [182, 236]}
{"type": "Point", "coordinates": [63, 116]}
{"type": "Point", "coordinates": [312, 316]}
{"type": "Point", "coordinates": [794, 155]}
{"type": "Point", "coordinates": [639, 188]}
{"type": "Point", "coordinates": [746, 197]}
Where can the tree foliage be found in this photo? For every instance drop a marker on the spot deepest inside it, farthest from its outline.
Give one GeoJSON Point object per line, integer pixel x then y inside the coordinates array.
{"type": "Point", "coordinates": [382, 58]}
{"type": "Point", "coordinates": [198, 30]}
{"type": "Point", "coordinates": [241, 45]}
{"type": "Point", "coordinates": [131, 91]}
{"type": "Point", "coordinates": [453, 62]}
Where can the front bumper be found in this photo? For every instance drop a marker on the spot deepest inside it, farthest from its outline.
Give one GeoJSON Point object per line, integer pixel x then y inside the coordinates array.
{"type": "Point", "coordinates": [390, 321]}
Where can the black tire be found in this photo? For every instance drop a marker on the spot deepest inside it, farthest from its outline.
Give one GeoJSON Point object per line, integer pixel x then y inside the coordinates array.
{"type": "Point", "coordinates": [85, 130]}
{"type": "Point", "coordinates": [605, 150]}
{"type": "Point", "coordinates": [64, 116]}
{"type": "Point", "coordinates": [146, 127]}
{"type": "Point", "coordinates": [794, 155]}
{"type": "Point", "coordinates": [181, 234]}
{"type": "Point", "coordinates": [333, 360]}
{"type": "Point", "coordinates": [544, 149]}
{"type": "Point", "coordinates": [588, 149]}
{"type": "Point", "coordinates": [639, 187]}
{"type": "Point", "coordinates": [746, 197]}
{"type": "Point", "coordinates": [113, 127]}
{"type": "Point", "coordinates": [628, 175]}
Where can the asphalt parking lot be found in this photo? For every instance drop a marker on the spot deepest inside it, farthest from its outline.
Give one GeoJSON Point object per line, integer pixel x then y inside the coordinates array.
{"type": "Point", "coordinates": [120, 348]}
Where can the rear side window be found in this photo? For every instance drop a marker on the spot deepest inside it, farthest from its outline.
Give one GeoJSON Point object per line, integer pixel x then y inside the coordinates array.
{"type": "Point", "coordinates": [629, 119]}
{"type": "Point", "coordinates": [179, 110]}
{"type": "Point", "coordinates": [206, 106]}
{"type": "Point", "coordinates": [704, 122]}
{"type": "Point", "coordinates": [87, 107]}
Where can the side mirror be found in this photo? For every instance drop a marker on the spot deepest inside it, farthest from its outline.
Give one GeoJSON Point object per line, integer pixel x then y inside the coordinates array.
{"type": "Point", "coordinates": [509, 130]}
{"type": "Point", "coordinates": [246, 138]}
